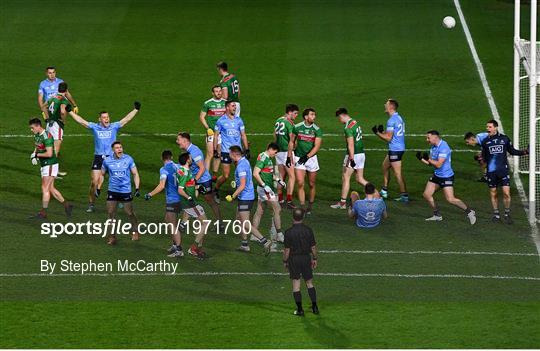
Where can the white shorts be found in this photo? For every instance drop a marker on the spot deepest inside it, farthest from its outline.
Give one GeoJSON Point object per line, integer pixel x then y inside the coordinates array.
{"type": "Point", "coordinates": [237, 114]}
{"type": "Point", "coordinates": [359, 159]}
{"type": "Point", "coordinates": [56, 131]}
{"type": "Point", "coordinates": [194, 212]}
{"type": "Point", "coordinates": [281, 158]}
{"type": "Point", "coordinates": [312, 164]}
{"type": "Point", "coordinates": [49, 171]}
{"type": "Point", "coordinates": [210, 138]}
{"type": "Point", "coordinates": [263, 197]}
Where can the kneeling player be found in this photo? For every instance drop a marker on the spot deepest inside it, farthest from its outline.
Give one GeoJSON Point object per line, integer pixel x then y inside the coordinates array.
{"type": "Point", "coordinates": [440, 157]}
{"type": "Point", "coordinates": [167, 182]}
{"type": "Point", "coordinates": [264, 175]}
{"type": "Point", "coordinates": [186, 189]}
{"type": "Point", "coordinates": [246, 197]}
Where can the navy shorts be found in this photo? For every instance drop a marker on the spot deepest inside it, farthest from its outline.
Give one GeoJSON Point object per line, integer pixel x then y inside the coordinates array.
{"type": "Point", "coordinates": [497, 179]}
{"type": "Point", "coordinates": [245, 205]}
{"type": "Point", "coordinates": [121, 197]}
{"type": "Point", "coordinates": [205, 187]}
{"type": "Point", "coordinates": [98, 162]}
{"type": "Point", "coordinates": [442, 182]}
{"type": "Point", "coordinates": [395, 156]}
{"type": "Point", "coordinates": [226, 158]}
{"type": "Point", "coordinates": [174, 207]}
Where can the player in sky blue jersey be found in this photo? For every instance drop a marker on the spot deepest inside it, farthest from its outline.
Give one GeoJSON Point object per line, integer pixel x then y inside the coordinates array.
{"type": "Point", "coordinates": [494, 152]}
{"type": "Point", "coordinates": [168, 182]}
{"type": "Point", "coordinates": [245, 195]}
{"type": "Point", "coordinates": [440, 157]}
{"type": "Point", "coordinates": [232, 132]}
{"type": "Point", "coordinates": [120, 168]}
{"type": "Point", "coordinates": [472, 139]}
{"type": "Point", "coordinates": [49, 87]}
{"type": "Point", "coordinates": [104, 135]}
{"type": "Point", "coordinates": [394, 135]}
{"type": "Point", "coordinates": [370, 211]}
{"type": "Point", "coordinates": [202, 176]}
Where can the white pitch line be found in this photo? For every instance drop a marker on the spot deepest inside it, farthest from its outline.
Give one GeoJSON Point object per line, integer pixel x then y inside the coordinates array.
{"type": "Point", "coordinates": [324, 274]}
{"type": "Point", "coordinates": [495, 113]}
{"type": "Point", "coordinates": [420, 252]}
{"type": "Point", "coordinates": [381, 149]}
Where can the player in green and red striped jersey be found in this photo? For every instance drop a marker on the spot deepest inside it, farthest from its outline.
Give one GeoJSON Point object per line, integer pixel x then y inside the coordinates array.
{"type": "Point", "coordinates": [306, 141]}
{"type": "Point", "coordinates": [230, 87]}
{"type": "Point", "coordinates": [45, 155]}
{"type": "Point", "coordinates": [266, 190]}
{"type": "Point", "coordinates": [283, 129]}
{"type": "Point", "coordinates": [211, 110]}
{"type": "Point", "coordinates": [354, 157]}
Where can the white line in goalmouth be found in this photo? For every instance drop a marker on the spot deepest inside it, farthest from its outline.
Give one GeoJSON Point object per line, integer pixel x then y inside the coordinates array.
{"type": "Point", "coordinates": [495, 113]}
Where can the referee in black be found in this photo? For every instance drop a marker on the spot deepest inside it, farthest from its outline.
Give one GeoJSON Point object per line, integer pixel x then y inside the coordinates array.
{"type": "Point", "coordinates": [300, 258]}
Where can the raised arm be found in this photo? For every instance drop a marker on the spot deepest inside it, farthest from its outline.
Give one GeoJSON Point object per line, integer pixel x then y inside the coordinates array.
{"type": "Point", "coordinates": [129, 116]}
{"type": "Point", "coordinates": [78, 118]}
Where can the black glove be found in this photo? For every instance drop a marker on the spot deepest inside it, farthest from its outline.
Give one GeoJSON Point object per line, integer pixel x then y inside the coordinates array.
{"type": "Point", "coordinates": [137, 193]}
{"type": "Point", "coordinates": [147, 196]}
{"type": "Point", "coordinates": [374, 129]}
{"type": "Point", "coordinates": [419, 155]}
{"type": "Point", "coordinates": [247, 154]}
{"type": "Point", "coordinates": [525, 151]}
{"type": "Point", "coordinates": [68, 108]}
{"type": "Point", "coordinates": [380, 128]}
{"type": "Point", "coordinates": [216, 154]}
{"type": "Point", "coordinates": [425, 156]}
{"type": "Point", "coordinates": [201, 189]}
{"type": "Point", "coordinates": [191, 202]}
{"type": "Point", "coordinates": [303, 159]}
{"type": "Point", "coordinates": [288, 162]}
{"type": "Point", "coordinates": [352, 164]}
{"type": "Point", "coordinates": [137, 105]}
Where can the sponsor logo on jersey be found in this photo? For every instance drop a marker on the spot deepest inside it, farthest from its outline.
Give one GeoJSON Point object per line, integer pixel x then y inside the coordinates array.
{"type": "Point", "coordinates": [496, 149]}
{"type": "Point", "coordinates": [104, 134]}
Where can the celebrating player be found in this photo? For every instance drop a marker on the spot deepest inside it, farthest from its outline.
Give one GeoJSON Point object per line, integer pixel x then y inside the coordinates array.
{"type": "Point", "coordinates": [167, 182]}
{"type": "Point", "coordinates": [229, 86]}
{"type": "Point", "coordinates": [203, 179]}
{"type": "Point", "coordinates": [394, 135]}
{"type": "Point", "coordinates": [354, 158]}
{"type": "Point", "coordinates": [49, 87]}
{"type": "Point", "coordinates": [231, 130]}
{"type": "Point", "coordinates": [476, 140]}
{"type": "Point", "coordinates": [120, 168]}
{"type": "Point", "coordinates": [440, 157]}
{"type": "Point", "coordinates": [306, 140]}
{"type": "Point", "coordinates": [370, 211]}
{"type": "Point", "coordinates": [494, 150]}
{"type": "Point", "coordinates": [245, 194]}
{"type": "Point", "coordinates": [186, 189]}
{"type": "Point", "coordinates": [212, 109]}
{"type": "Point", "coordinates": [283, 129]}
{"type": "Point", "coordinates": [45, 155]}
{"type": "Point", "coordinates": [264, 175]}
{"type": "Point", "coordinates": [104, 135]}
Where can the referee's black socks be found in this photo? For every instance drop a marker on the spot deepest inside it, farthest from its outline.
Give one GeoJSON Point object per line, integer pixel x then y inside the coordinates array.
{"type": "Point", "coordinates": [297, 295]}
{"type": "Point", "coordinates": [312, 295]}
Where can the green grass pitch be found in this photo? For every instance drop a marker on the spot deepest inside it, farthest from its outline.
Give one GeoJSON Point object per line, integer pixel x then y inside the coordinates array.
{"type": "Point", "coordinates": [323, 54]}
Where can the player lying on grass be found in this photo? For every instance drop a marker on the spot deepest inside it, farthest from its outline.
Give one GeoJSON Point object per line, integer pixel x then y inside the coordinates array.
{"type": "Point", "coordinates": [472, 139]}
{"type": "Point", "coordinates": [440, 158]}
{"type": "Point", "coordinates": [230, 87]}
{"type": "Point", "coordinates": [211, 110]}
{"type": "Point", "coordinates": [495, 148]}
{"type": "Point", "coordinates": [167, 182]}
{"type": "Point", "coordinates": [394, 135]}
{"type": "Point", "coordinates": [263, 172]}
{"type": "Point", "coordinates": [187, 190]}
{"type": "Point", "coordinates": [354, 157]}
{"type": "Point", "coordinates": [231, 131]}
{"type": "Point", "coordinates": [120, 168]}
{"type": "Point", "coordinates": [45, 155]}
{"type": "Point", "coordinates": [104, 135]}
{"type": "Point", "coordinates": [283, 129]}
{"type": "Point", "coordinates": [245, 196]}
{"type": "Point", "coordinates": [370, 211]}
{"type": "Point", "coordinates": [306, 140]}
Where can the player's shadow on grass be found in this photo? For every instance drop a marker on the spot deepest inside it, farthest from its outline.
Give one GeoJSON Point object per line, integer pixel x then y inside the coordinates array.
{"type": "Point", "coordinates": [326, 335]}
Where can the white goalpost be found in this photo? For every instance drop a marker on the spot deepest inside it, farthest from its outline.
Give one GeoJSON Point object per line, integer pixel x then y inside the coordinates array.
{"type": "Point", "coordinates": [526, 106]}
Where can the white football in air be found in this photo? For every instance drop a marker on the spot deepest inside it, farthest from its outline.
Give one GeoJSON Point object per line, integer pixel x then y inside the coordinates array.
{"type": "Point", "coordinates": [449, 22]}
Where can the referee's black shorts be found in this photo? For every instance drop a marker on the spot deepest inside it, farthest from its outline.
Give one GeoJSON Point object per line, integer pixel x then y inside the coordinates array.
{"type": "Point", "coordinates": [300, 267]}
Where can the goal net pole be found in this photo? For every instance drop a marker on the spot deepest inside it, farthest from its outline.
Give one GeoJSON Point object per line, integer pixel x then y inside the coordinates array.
{"type": "Point", "coordinates": [517, 8]}
{"type": "Point", "coordinates": [533, 82]}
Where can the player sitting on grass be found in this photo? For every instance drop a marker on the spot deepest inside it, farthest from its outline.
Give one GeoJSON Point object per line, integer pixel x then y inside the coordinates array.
{"type": "Point", "coordinates": [120, 168]}
{"type": "Point", "coordinates": [211, 110]}
{"type": "Point", "coordinates": [305, 142]}
{"type": "Point", "coordinates": [231, 131]}
{"type": "Point", "coordinates": [472, 139]}
{"type": "Point", "coordinates": [187, 190]}
{"type": "Point", "coordinates": [440, 157]}
{"type": "Point", "coordinates": [283, 129]}
{"type": "Point", "coordinates": [354, 158]}
{"type": "Point", "coordinates": [266, 191]}
{"type": "Point", "coordinates": [394, 135]}
{"type": "Point", "coordinates": [370, 211]}
{"type": "Point", "coordinates": [245, 195]}
{"type": "Point", "coordinates": [167, 182]}
{"type": "Point", "coordinates": [104, 135]}
{"type": "Point", "coordinates": [494, 150]}
{"type": "Point", "coordinates": [45, 155]}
